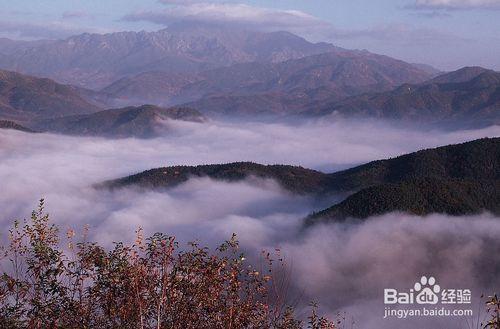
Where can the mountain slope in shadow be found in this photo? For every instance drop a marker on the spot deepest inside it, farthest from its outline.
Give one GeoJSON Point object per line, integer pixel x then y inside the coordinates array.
{"type": "Point", "coordinates": [421, 196]}
{"type": "Point", "coordinates": [143, 121]}
{"type": "Point", "coordinates": [294, 179]}
{"type": "Point", "coordinates": [24, 98]}
{"type": "Point", "coordinates": [469, 97]}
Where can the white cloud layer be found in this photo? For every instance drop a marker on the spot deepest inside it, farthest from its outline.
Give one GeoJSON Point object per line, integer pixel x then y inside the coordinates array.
{"type": "Point", "coordinates": [457, 4]}
{"type": "Point", "coordinates": [235, 13]}
{"type": "Point", "coordinates": [348, 266]}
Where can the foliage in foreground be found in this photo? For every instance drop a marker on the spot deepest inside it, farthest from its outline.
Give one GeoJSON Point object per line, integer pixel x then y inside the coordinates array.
{"type": "Point", "coordinates": [149, 284]}
{"type": "Point", "coordinates": [493, 308]}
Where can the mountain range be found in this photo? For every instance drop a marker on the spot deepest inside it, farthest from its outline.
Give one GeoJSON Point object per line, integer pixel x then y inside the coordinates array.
{"type": "Point", "coordinates": [154, 67]}
{"type": "Point", "coordinates": [467, 97]}
{"type": "Point", "coordinates": [454, 179]}
{"type": "Point", "coordinates": [96, 60]}
{"type": "Point", "coordinates": [333, 75]}
{"type": "Point", "coordinates": [39, 104]}
{"type": "Point", "coordinates": [230, 74]}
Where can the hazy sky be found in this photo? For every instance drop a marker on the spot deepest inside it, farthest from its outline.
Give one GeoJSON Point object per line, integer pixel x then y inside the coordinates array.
{"type": "Point", "coordinates": [445, 33]}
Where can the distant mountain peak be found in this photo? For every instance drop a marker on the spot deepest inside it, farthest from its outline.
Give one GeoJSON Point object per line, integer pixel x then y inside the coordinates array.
{"type": "Point", "coordinates": [461, 75]}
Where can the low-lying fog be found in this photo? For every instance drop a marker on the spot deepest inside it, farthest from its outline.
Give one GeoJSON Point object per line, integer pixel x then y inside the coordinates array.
{"type": "Point", "coordinates": [342, 266]}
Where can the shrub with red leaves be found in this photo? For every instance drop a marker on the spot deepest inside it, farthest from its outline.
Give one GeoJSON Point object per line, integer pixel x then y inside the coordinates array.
{"type": "Point", "coordinates": [150, 284]}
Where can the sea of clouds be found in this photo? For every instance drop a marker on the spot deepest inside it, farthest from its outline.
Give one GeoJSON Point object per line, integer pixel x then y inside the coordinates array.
{"type": "Point", "coordinates": [342, 266]}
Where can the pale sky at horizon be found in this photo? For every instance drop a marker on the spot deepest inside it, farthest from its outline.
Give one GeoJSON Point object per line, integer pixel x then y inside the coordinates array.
{"type": "Point", "coordinates": [447, 34]}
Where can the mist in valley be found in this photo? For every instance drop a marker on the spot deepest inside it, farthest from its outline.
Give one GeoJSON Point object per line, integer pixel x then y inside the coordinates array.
{"type": "Point", "coordinates": [344, 266]}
